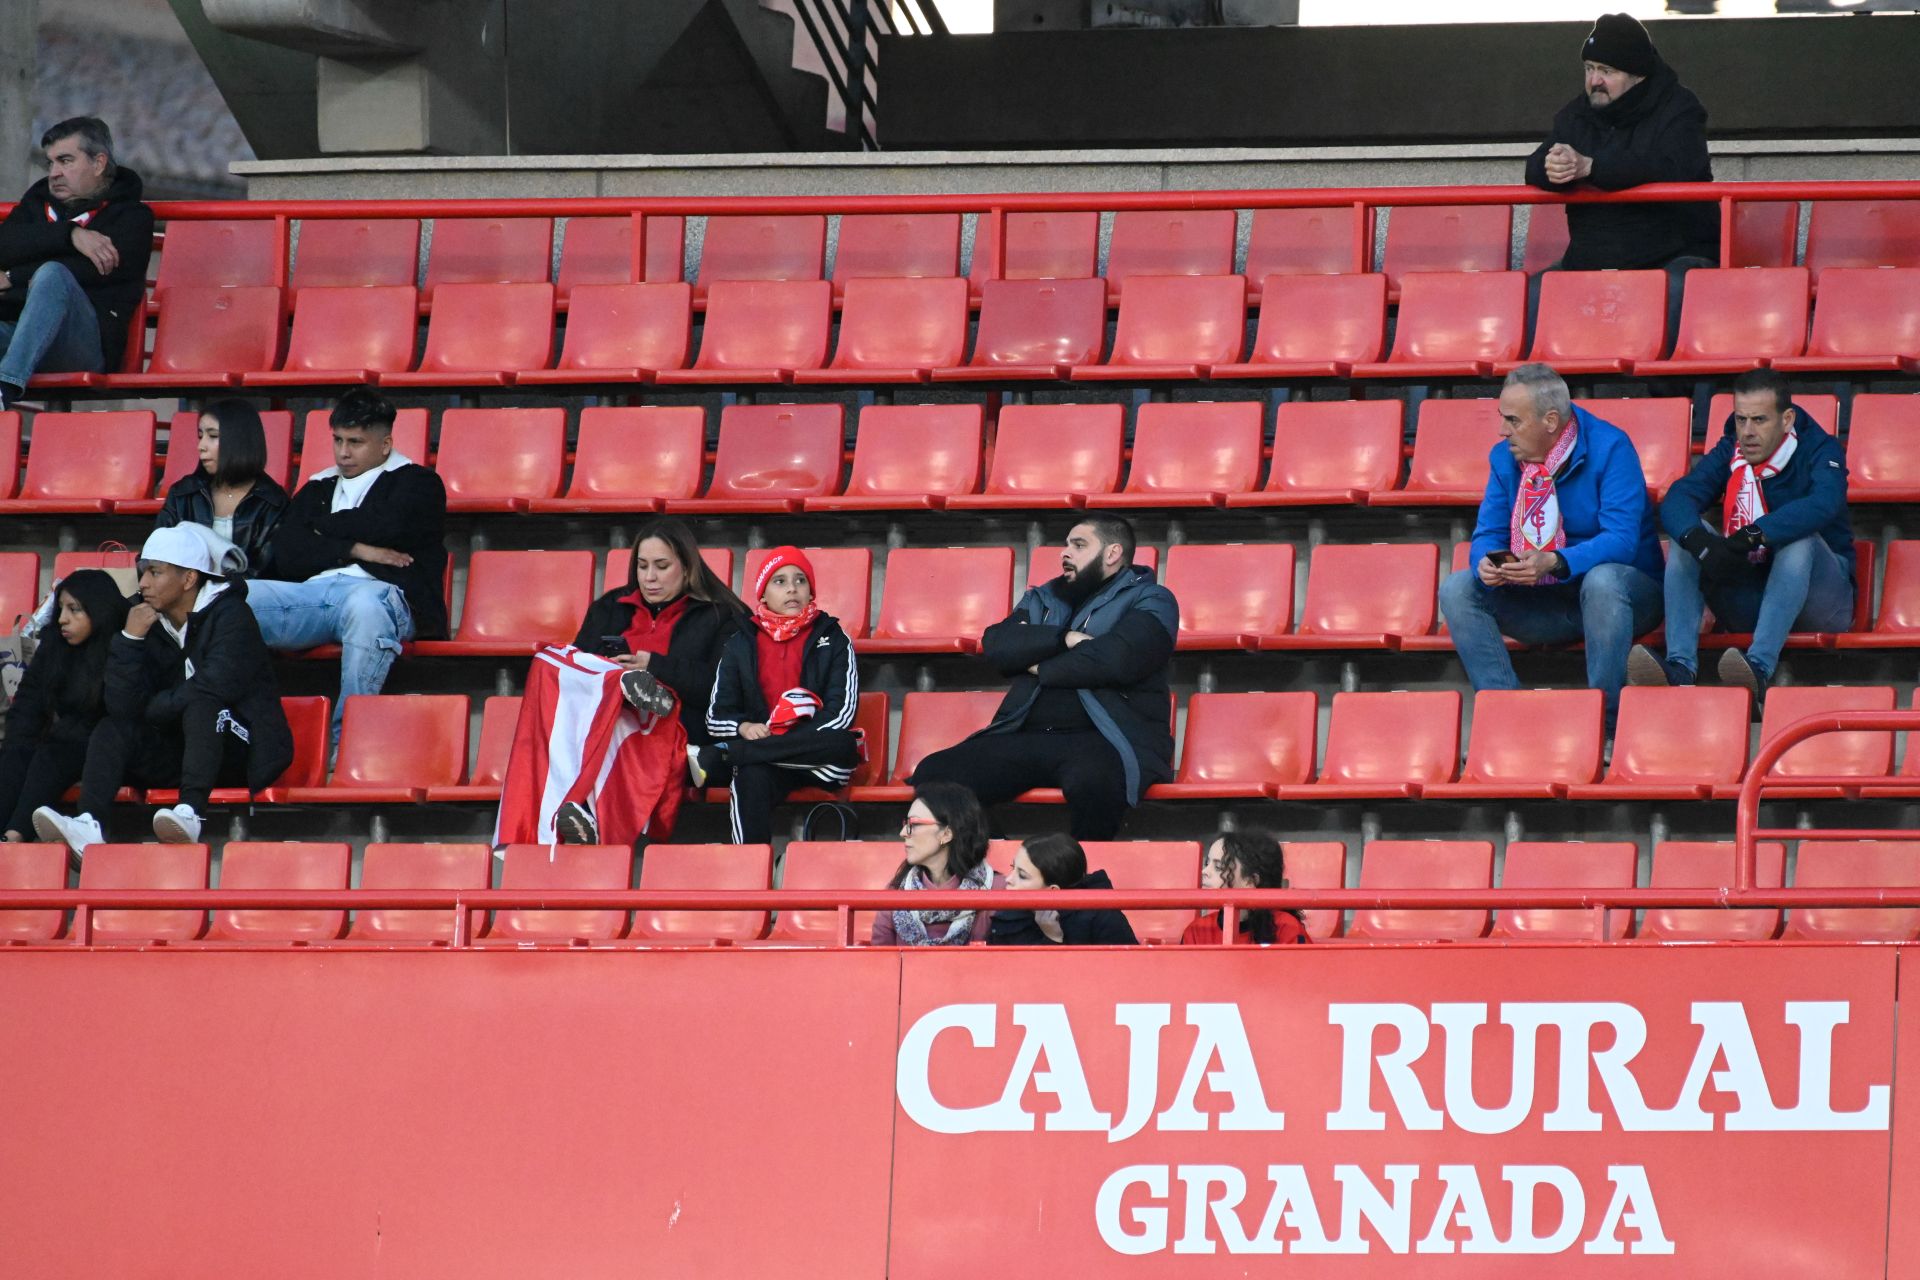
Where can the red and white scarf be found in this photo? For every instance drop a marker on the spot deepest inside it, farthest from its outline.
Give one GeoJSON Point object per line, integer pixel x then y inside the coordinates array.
{"type": "Point", "coordinates": [79, 219]}
{"type": "Point", "coordinates": [1746, 501]}
{"type": "Point", "coordinates": [1536, 522]}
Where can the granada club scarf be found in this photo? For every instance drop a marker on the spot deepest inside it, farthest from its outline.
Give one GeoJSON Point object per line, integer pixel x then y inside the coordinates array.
{"type": "Point", "coordinates": [1746, 501]}
{"type": "Point", "coordinates": [1536, 508]}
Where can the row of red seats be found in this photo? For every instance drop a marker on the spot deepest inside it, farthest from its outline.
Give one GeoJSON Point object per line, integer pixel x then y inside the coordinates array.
{"type": "Point", "coordinates": [1385, 865]}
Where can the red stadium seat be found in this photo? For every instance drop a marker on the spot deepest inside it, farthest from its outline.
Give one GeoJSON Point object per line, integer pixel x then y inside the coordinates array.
{"type": "Point", "coordinates": [910, 456]}
{"type": "Point", "coordinates": [870, 717]}
{"type": "Point", "coordinates": [1830, 755]}
{"type": "Point", "coordinates": [392, 867]}
{"type": "Point", "coordinates": [1546, 237]}
{"type": "Point", "coordinates": [1681, 864]}
{"type": "Point", "coordinates": [599, 251]}
{"type": "Point", "coordinates": [561, 867]}
{"type": "Point", "coordinates": [1598, 321]}
{"type": "Point", "coordinates": [1454, 325]}
{"type": "Point", "coordinates": [703, 866]}
{"type": "Point", "coordinates": [1040, 246]}
{"type": "Point", "coordinates": [482, 335]}
{"type": "Point", "coordinates": [897, 331]}
{"type": "Point", "coordinates": [1043, 563]}
{"type": "Point", "coordinates": [19, 588]}
{"type": "Point", "coordinates": [1231, 596]}
{"type": "Point", "coordinates": [760, 331]}
{"type": "Point", "coordinates": [1034, 330]}
{"type": "Point", "coordinates": [771, 458]}
{"type": "Point", "coordinates": [1315, 326]}
{"type": "Point", "coordinates": [1573, 864]}
{"type": "Point", "coordinates": [939, 599]}
{"type": "Point", "coordinates": [346, 336]}
{"type": "Point", "coordinates": [1325, 452]}
{"type": "Point", "coordinates": [316, 440]}
{"type": "Point", "coordinates": [1436, 238]}
{"type": "Point", "coordinates": [1674, 744]}
{"type": "Point", "coordinates": [1883, 448]}
{"type": "Point", "coordinates": [1451, 442]}
{"type": "Point", "coordinates": [501, 459]}
{"type": "Point", "coordinates": [845, 589]}
{"type": "Point", "coordinates": [145, 866]}
{"type": "Point", "coordinates": [310, 720]}
{"type": "Point", "coordinates": [1386, 865]}
{"type": "Point", "coordinates": [931, 722]}
{"type": "Point", "coordinates": [631, 458]}
{"type": "Point", "coordinates": [498, 719]}
{"type": "Point", "coordinates": [1898, 623]}
{"type": "Point", "coordinates": [219, 254]}
{"type": "Point", "coordinates": [1661, 429]}
{"type": "Point", "coordinates": [621, 333]}
{"type": "Point", "coordinates": [1174, 327]}
{"type": "Point", "coordinates": [763, 247]}
{"type": "Point", "coordinates": [356, 253]}
{"type": "Point", "coordinates": [81, 462]}
{"type": "Point", "coordinates": [1527, 744]}
{"type": "Point", "coordinates": [65, 562]}
{"type": "Point", "coordinates": [1303, 242]}
{"type": "Point", "coordinates": [1385, 746]}
{"type": "Point", "coordinates": [819, 865]}
{"type": "Point", "coordinates": [1150, 864]}
{"type": "Point", "coordinates": [1766, 233]}
{"type": "Point", "coordinates": [1171, 242]}
{"type": "Point", "coordinates": [10, 450]}
{"type": "Point", "coordinates": [1239, 745]}
{"type": "Point", "coordinates": [896, 245]}
{"type": "Point", "coordinates": [1051, 456]}
{"type": "Point", "coordinates": [618, 571]}
{"type": "Point", "coordinates": [1854, 864]}
{"type": "Point", "coordinates": [1366, 596]}
{"type": "Point", "coordinates": [1862, 233]}
{"type": "Point", "coordinates": [392, 748]}
{"type": "Point", "coordinates": [1189, 454]}
{"type": "Point", "coordinates": [1736, 319]}
{"type": "Point", "coordinates": [1317, 864]}
{"type": "Point", "coordinates": [469, 251]}
{"type": "Point", "coordinates": [518, 601]}
{"type": "Point", "coordinates": [1866, 320]}
{"type": "Point", "coordinates": [31, 866]}
{"type": "Point", "coordinates": [208, 337]}
{"type": "Point", "coordinates": [283, 865]}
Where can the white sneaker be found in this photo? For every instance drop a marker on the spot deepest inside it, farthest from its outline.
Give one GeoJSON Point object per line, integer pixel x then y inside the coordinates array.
{"type": "Point", "coordinates": [178, 825]}
{"type": "Point", "coordinates": [76, 832]}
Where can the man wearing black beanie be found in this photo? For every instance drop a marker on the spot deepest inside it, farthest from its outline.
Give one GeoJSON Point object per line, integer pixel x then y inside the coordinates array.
{"type": "Point", "coordinates": [1633, 123]}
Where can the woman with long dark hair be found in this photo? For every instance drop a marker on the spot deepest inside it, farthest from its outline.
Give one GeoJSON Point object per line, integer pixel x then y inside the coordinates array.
{"type": "Point", "coordinates": [1246, 860]}
{"type": "Point", "coordinates": [230, 491]}
{"type": "Point", "coordinates": [945, 839]}
{"type": "Point", "coordinates": [1058, 862]}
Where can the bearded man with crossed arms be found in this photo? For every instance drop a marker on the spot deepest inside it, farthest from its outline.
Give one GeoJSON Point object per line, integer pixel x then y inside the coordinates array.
{"type": "Point", "coordinates": [1564, 548]}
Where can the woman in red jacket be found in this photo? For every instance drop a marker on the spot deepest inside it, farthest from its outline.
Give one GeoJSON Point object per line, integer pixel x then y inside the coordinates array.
{"type": "Point", "coordinates": [1246, 860]}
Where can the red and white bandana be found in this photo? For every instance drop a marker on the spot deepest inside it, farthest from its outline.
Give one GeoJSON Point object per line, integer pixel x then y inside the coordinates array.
{"type": "Point", "coordinates": [1745, 501]}
{"type": "Point", "coordinates": [1536, 508]}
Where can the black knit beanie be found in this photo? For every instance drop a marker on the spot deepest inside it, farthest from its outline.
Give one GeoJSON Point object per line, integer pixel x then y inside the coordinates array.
{"type": "Point", "coordinates": [1619, 41]}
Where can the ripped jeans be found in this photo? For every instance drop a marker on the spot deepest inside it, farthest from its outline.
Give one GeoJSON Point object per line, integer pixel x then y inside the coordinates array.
{"type": "Point", "coordinates": [369, 620]}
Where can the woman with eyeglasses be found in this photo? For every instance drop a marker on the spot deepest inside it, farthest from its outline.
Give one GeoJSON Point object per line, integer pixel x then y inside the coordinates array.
{"type": "Point", "coordinates": [1246, 860]}
{"type": "Point", "coordinates": [1058, 862]}
{"type": "Point", "coordinates": [945, 835]}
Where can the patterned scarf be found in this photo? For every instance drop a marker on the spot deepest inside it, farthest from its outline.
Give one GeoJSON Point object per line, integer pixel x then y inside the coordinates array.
{"type": "Point", "coordinates": [781, 627]}
{"type": "Point", "coordinates": [1536, 508]}
{"type": "Point", "coordinates": [1745, 501]}
{"type": "Point", "coordinates": [911, 926]}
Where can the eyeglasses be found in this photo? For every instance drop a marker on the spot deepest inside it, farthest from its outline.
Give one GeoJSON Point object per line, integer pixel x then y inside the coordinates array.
{"type": "Point", "coordinates": [906, 828]}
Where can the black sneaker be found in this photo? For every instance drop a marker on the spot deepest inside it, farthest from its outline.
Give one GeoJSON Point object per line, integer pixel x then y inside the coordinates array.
{"type": "Point", "coordinates": [1647, 670]}
{"type": "Point", "coordinates": [572, 824]}
{"type": "Point", "coordinates": [1737, 668]}
{"type": "Point", "coordinates": [644, 692]}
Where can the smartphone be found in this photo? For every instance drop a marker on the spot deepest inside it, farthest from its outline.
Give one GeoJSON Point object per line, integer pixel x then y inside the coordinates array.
{"type": "Point", "coordinates": [612, 647]}
{"type": "Point", "coordinates": [1501, 557]}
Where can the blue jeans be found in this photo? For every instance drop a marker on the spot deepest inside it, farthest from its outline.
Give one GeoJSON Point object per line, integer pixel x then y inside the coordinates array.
{"type": "Point", "coordinates": [1607, 608]}
{"type": "Point", "coordinates": [58, 330]}
{"type": "Point", "coordinates": [1804, 587]}
{"type": "Point", "coordinates": [369, 620]}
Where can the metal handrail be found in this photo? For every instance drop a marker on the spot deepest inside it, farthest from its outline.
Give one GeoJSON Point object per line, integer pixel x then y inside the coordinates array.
{"type": "Point", "coordinates": [1747, 829]}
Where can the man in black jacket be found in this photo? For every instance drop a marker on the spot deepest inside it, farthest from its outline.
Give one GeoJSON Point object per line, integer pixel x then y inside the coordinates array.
{"type": "Point", "coordinates": [359, 557]}
{"type": "Point", "coordinates": [190, 696]}
{"type": "Point", "coordinates": [1088, 710]}
{"type": "Point", "coordinates": [1634, 123]}
{"type": "Point", "coordinates": [73, 260]}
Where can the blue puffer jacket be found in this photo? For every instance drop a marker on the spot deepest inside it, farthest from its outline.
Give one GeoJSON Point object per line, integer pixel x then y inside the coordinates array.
{"type": "Point", "coordinates": [1809, 496]}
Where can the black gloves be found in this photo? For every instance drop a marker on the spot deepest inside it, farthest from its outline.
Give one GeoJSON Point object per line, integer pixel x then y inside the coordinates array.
{"type": "Point", "coordinates": [1746, 539]}
{"type": "Point", "coordinates": [1718, 557]}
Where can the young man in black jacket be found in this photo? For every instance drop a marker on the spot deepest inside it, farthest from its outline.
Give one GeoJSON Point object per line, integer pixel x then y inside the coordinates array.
{"type": "Point", "coordinates": [359, 557]}
{"type": "Point", "coordinates": [73, 261]}
{"type": "Point", "coordinates": [190, 697]}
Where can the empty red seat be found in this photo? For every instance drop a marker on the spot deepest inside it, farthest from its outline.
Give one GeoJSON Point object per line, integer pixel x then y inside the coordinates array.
{"type": "Point", "coordinates": [1239, 745]}
{"type": "Point", "coordinates": [1169, 242]}
{"type": "Point", "coordinates": [1051, 455]}
{"type": "Point", "coordinates": [1546, 237]}
{"type": "Point", "coordinates": [1439, 237]}
{"type": "Point", "coordinates": [10, 451]}
{"type": "Point", "coordinates": [19, 588]}
{"type": "Point", "coordinates": [1898, 624]}
{"type": "Point", "coordinates": [1674, 744]}
{"type": "Point", "coordinates": [621, 333]}
{"type": "Point", "coordinates": [215, 254]}
{"type": "Point", "coordinates": [1883, 448]}
{"type": "Point", "coordinates": [468, 251]}
{"type": "Point", "coordinates": [818, 865]}
{"type": "Point", "coordinates": [1599, 321]}
{"type": "Point", "coordinates": [1330, 451]}
{"type": "Point", "coordinates": [1766, 233]}
{"type": "Point", "coordinates": [710, 867]}
{"type": "Point", "coordinates": [1040, 246]}
{"type": "Point", "coordinates": [1661, 428]}
{"type": "Point", "coordinates": [501, 459]}
{"type": "Point", "coordinates": [86, 462]}
{"type": "Point", "coordinates": [1735, 319]}
{"type": "Point", "coordinates": [316, 440]}
{"type": "Point", "coordinates": [760, 331]}
{"type": "Point", "coordinates": [1304, 242]}
{"type": "Point", "coordinates": [31, 866]}
{"type": "Point", "coordinates": [393, 746]}
{"type": "Point", "coordinates": [1385, 746]}
{"type": "Point", "coordinates": [1833, 757]}
{"type": "Point", "coordinates": [482, 335]}
{"type": "Point", "coordinates": [1451, 442]}
{"type": "Point", "coordinates": [1190, 455]}
{"type": "Point", "coordinates": [1150, 864]}
{"type": "Point", "coordinates": [1386, 865]}
{"type": "Point", "coordinates": [1365, 596]}
{"type": "Point", "coordinates": [1862, 233]}
{"type": "Point", "coordinates": [1043, 563]}
{"type": "Point", "coordinates": [497, 721]}
{"type": "Point", "coordinates": [561, 867]}
{"type": "Point", "coordinates": [910, 456]}
{"type": "Point", "coordinates": [1573, 864]}
{"type": "Point", "coordinates": [930, 722]}
{"type": "Point", "coordinates": [310, 722]}
{"type": "Point", "coordinates": [1684, 864]}
{"type": "Point", "coordinates": [763, 247]}
{"type": "Point", "coordinates": [1865, 320]}
{"type": "Point", "coordinates": [1033, 330]}
{"type": "Point", "coordinates": [599, 251]}
{"type": "Point", "coordinates": [208, 337]}
{"type": "Point", "coordinates": [1317, 864]}
{"type": "Point", "coordinates": [286, 865]}
{"type": "Point", "coordinates": [145, 867]}
{"type": "Point", "coordinates": [1231, 596]}
{"type": "Point", "coordinates": [771, 457]}
{"type": "Point", "coordinates": [940, 599]}
{"type": "Point", "coordinates": [1856, 864]}
{"type": "Point", "coordinates": [896, 245]}
{"type": "Point", "coordinates": [346, 336]}
{"type": "Point", "coordinates": [356, 253]}
{"type": "Point", "coordinates": [1315, 326]}
{"type": "Point", "coordinates": [845, 589]}
{"type": "Point", "coordinates": [1527, 744]}
{"type": "Point", "coordinates": [897, 331]}
{"type": "Point", "coordinates": [630, 458]}
{"type": "Point", "coordinates": [1454, 325]}
{"type": "Point", "coordinates": [1174, 327]}
{"type": "Point", "coordinates": [517, 601]}
{"type": "Point", "coordinates": [395, 867]}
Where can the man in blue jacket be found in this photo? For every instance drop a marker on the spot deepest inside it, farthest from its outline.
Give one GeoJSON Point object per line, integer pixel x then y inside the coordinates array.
{"type": "Point", "coordinates": [1782, 558]}
{"type": "Point", "coordinates": [1564, 548]}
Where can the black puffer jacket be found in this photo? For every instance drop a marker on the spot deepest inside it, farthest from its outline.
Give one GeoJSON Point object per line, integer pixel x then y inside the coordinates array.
{"type": "Point", "coordinates": [692, 658]}
{"type": "Point", "coordinates": [190, 501]}
{"type": "Point", "coordinates": [30, 238]}
{"type": "Point", "coordinates": [1100, 927]}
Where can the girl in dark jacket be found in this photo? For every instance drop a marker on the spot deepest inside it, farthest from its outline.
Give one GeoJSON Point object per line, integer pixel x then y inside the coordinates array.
{"type": "Point", "coordinates": [1246, 860]}
{"type": "Point", "coordinates": [1058, 862]}
{"type": "Point", "coordinates": [783, 702]}
{"type": "Point", "coordinates": [60, 698]}
{"type": "Point", "coordinates": [230, 491]}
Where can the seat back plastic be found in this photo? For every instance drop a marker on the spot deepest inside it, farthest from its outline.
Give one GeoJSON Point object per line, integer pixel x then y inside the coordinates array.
{"type": "Point", "coordinates": [402, 739]}
{"type": "Point", "coordinates": [1451, 442]}
{"type": "Point", "coordinates": [1043, 563]}
{"type": "Point", "coordinates": [1310, 242]}
{"type": "Point", "coordinates": [310, 722]}
{"type": "Point", "coordinates": [845, 589]}
{"type": "Point", "coordinates": [1601, 315]}
{"type": "Point", "coordinates": [490, 327]}
{"type": "Point", "coordinates": [897, 245]}
{"type": "Point", "coordinates": [1856, 864]}
{"type": "Point", "coordinates": [1900, 597]}
{"type": "Point", "coordinates": [1464, 315]}
{"type": "Point", "coordinates": [763, 247]}
{"type": "Point", "coordinates": [488, 251]}
{"type": "Point", "coordinates": [1181, 319]}
{"type": "Point", "coordinates": [906, 450]}
{"type": "Point", "coordinates": [704, 866]}
{"type": "Point", "coordinates": [1041, 322]}
{"type": "Point", "coordinates": [1534, 736]}
{"type": "Point", "coordinates": [277, 864]}
{"type": "Point", "coordinates": [316, 440]}
{"type": "Point", "coordinates": [1150, 864]}
{"type": "Point", "coordinates": [766, 324]}
{"type": "Point", "coordinates": [31, 866]}
{"type": "Point", "coordinates": [833, 864]}
{"type": "Point", "coordinates": [1546, 237]}
{"type": "Point", "coordinates": [218, 254]}
{"type": "Point", "coordinates": [420, 866]}
{"type": "Point", "coordinates": [628, 326]}
{"type": "Point", "coordinates": [1172, 242]}
{"type": "Point", "coordinates": [10, 451]}
{"type": "Point", "coordinates": [1394, 737]}
{"type": "Point", "coordinates": [500, 454]}
{"type": "Point", "coordinates": [84, 456]}
{"type": "Point", "coordinates": [1661, 428]}
{"type": "Point", "coordinates": [1686, 864]}
{"type": "Point", "coordinates": [1862, 233]}
{"type": "Point", "coordinates": [356, 253]}
{"type": "Point", "coordinates": [562, 866]}
{"type": "Point", "coordinates": [931, 722]}
{"type": "Point", "coordinates": [1196, 448]}
{"type": "Point", "coordinates": [1241, 738]}
{"type": "Point", "coordinates": [1572, 864]}
{"type": "Point", "coordinates": [1317, 864]}
{"type": "Point", "coordinates": [1233, 588]}
{"type": "Point", "coordinates": [1863, 754]}
{"type": "Point", "coordinates": [1686, 734]}
{"type": "Point", "coordinates": [1874, 312]}
{"type": "Point", "coordinates": [145, 866]}
{"type": "Point", "coordinates": [498, 718]}
{"type": "Point", "coordinates": [1883, 443]}
{"type": "Point", "coordinates": [183, 446]}
{"type": "Point", "coordinates": [600, 251]}
{"type": "Point", "coordinates": [1371, 587]}
{"type": "Point", "coordinates": [535, 597]}
{"type": "Point", "coordinates": [1429, 238]}
{"type": "Point", "coordinates": [1766, 233]}
{"type": "Point", "coordinates": [778, 451]}
{"type": "Point", "coordinates": [903, 324]}
{"type": "Point", "coordinates": [19, 587]}
{"type": "Point", "coordinates": [1321, 317]}
{"type": "Point", "coordinates": [219, 331]}
{"type": "Point", "coordinates": [368, 327]}
{"type": "Point", "coordinates": [1742, 312]}
{"type": "Point", "coordinates": [1053, 449]}
{"type": "Point", "coordinates": [1336, 444]}
{"type": "Point", "coordinates": [1040, 246]}
{"type": "Point", "coordinates": [65, 562]}
{"type": "Point", "coordinates": [943, 592]}
{"type": "Point", "coordinates": [1423, 864]}
{"type": "Point", "coordinates": [639, 451]}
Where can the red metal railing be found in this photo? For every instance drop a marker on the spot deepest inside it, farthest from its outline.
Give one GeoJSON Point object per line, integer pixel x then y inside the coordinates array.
{"type": "Point", "coordinates": [1747, 829]}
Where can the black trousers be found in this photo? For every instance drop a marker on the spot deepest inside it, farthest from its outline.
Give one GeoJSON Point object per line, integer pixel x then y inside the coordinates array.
{"type": "Point", "coordinates": [999, 767]}
{"type": "Point", "coordinates": [34, 774]}
{"type": "Point", "coordinates": [764, 773]}
{"type": "Point", "coordinates": [207, 749]}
